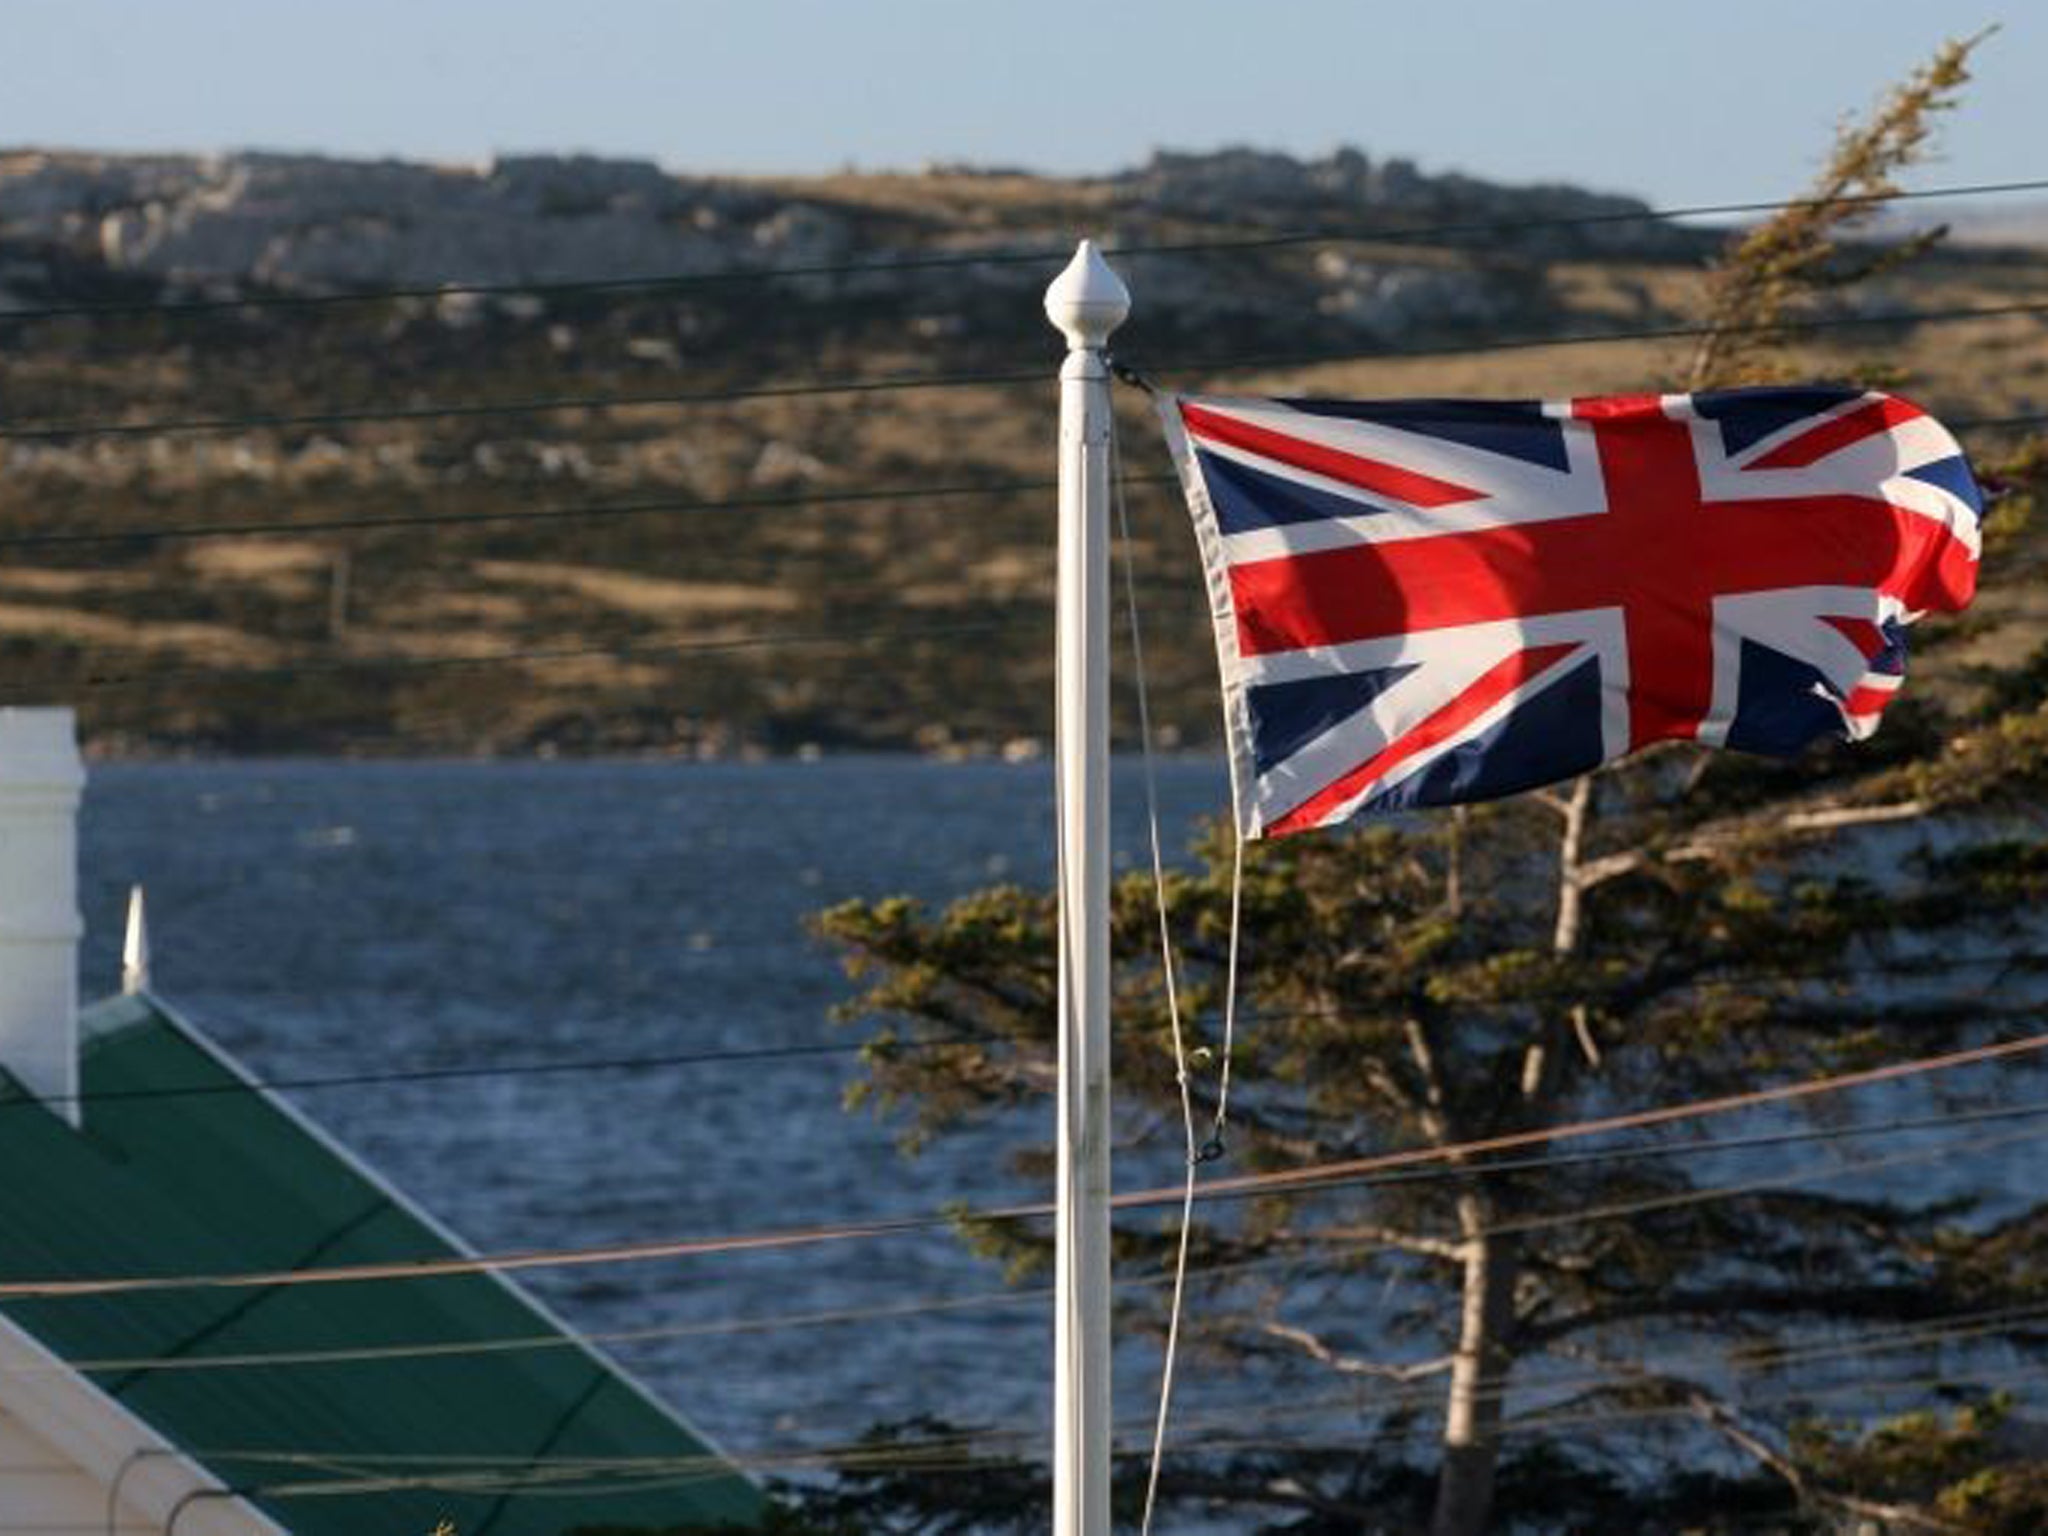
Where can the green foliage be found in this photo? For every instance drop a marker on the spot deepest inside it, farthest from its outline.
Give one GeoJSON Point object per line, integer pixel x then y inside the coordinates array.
{"type": "Point", "coordinates": [1795, 255]}
{"type": "Point", "coordinates": [1681, 927]}
{"type": "Point", "coordinates": [1958, 1472]}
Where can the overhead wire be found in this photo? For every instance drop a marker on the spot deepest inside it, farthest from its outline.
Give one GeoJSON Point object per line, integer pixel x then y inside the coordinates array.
{"type": "Point", "coordinates": [456, 1071]}
{"type": "Point", "coordinates": [2005, 421]}
{"type": "Point", "coordinates": [879, 384]}
{"type": "Point", "coordinates": [543, 405]}
{"type": "Point", "coordinates": [1536, 343]}
{"type": "Point", "coordinates": [1296, 1179]}
{"type": "Point", "coordinates": [66, 537]}
{"type": "Point", "coordinates": [951, 1453]}
{"type": "Point", "coordinates": [679, 282]}
{"type": "Point", "coordinates": [683, 645]}
{"type": "Point", "coordinates": [1945, 1329]}
{"type": "Point", "coordinates": [1752, 1098]}
{"type": "Point", "coordinates": [934, 1305]}
{"type": "Point", "coordinates": [908, 1456]}
{"type": "Point", "coordinates": [1919, 1333]}
{"type": "Point", "coordinates": [524, 655]}
{"type": "Point", "coordinates": [144, 534]}
{"type": "Point", "coordinates": [1595, 1418]}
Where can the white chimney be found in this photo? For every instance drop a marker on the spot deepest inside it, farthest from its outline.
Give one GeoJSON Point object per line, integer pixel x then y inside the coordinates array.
{"type": "Point", "coordinates": [40, 780]}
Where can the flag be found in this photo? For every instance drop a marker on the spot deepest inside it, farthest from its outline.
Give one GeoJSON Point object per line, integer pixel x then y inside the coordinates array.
{"type": "Point", "coordinates": [1425, 602]}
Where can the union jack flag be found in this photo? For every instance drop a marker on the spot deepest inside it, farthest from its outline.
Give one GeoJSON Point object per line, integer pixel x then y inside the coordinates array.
{"type": "Point", "coordinates": [1423, 602]}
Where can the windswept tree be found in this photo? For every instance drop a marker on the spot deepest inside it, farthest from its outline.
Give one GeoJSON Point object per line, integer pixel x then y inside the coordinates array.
{"type": "Point", "coordinates": [1573, 1329]}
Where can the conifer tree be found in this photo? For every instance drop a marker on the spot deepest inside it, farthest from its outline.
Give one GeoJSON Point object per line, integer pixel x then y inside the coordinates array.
{"type": "Point", "coordinates": [1679, 926]}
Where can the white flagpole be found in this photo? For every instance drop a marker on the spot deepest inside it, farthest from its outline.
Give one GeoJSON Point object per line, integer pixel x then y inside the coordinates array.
{"type": "Point", "coordinates": [1086, 302]}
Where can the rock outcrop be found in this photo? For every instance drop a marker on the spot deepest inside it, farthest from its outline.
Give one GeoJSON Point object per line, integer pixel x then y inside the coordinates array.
{"type": "Point", "coordinates": [308, 222]}
{"type": "Point", "coordinates": [229, 224]}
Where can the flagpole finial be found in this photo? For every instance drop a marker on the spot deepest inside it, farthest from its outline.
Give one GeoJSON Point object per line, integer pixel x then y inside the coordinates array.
{"type": "Point", "coordinates": [135, 946]}
{"type": "Point", "coordinates": [1088, 300]}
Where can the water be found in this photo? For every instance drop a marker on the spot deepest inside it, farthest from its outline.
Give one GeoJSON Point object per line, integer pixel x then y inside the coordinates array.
{"type": "Point", "coordinates": [326, 918]}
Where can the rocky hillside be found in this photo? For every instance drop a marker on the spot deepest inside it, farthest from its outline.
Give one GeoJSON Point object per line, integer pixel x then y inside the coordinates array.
{"type": "Point", "coordinates": [298, 223]}
{"type": "Point", "coordinates": [769, 625]}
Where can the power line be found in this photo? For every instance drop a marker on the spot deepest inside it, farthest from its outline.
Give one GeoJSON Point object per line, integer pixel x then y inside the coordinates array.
{"type": "Point", "coordinates": [291, 670]}
{"type": "Point", "coordinates": [540, 405]}
{"type": "Point", "coordinates": [354, 1470]}
{"type": "Point", "coordinates": [914, 1455]}
{"type": "Point", "coordinates": [685, 281]}
{"type": "Point", "coordinates": [1919, 1333]}
{"type": "Point", "coordinates": [1565, 1417]}
{"type": "Point", "coordinates": [821, 1049]}
{"type": "Point", "coordinates": [1296, 1179]}
{"type": "Point", "coordinates": [853, 385]}
{"type": "Point", "coordinates": [817, 1049]}
{"type": "Point", "coordinates": [1632, 1120]}
{"type": "Point", "coordinates": [65, 537]}
{"type": "Point", "coordinates": [1602, 338]}
{"type": "Point", "coordinates": [847, 1316]}
{"type": "Point", "coordinates": [552, 1474]}
{"type": "Point", "coordinates": [946, 1453]}
{"type": "Point", "coordinates": [390, 1076]}
{"type": "Point", "coordinates": [594, 511]}
{"type": "Point", "coordinates": [1475, 228]}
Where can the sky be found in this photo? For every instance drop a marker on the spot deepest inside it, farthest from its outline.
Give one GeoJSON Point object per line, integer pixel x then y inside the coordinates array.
{"type": "Point", "coordinates": [1680, 104]}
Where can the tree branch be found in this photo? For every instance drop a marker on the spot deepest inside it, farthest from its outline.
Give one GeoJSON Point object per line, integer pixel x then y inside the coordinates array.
{"type": "Point", "coordinates": [1909, 1302]}
{"type": "Point", "coordinates": [1716, 1416]}
{"type": "Point", "coordinates": [1450, 1251]}
{"type": "Point", "coordinates": [1318, 1350]}
{"type": "Point", "coordinates": [1711, 840]}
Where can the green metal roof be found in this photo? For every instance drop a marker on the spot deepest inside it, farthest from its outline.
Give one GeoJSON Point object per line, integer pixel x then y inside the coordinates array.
{"type": "Point", "coordinates": [236, 1182]}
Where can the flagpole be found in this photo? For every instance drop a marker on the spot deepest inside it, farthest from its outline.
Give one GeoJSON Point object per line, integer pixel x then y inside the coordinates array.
{"type": "Point", "coordinates": [1085, 302]}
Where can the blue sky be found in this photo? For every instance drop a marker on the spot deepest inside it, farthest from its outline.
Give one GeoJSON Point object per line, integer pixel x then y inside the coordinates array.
{"type": "Point", "coordinates": [1677, 103]}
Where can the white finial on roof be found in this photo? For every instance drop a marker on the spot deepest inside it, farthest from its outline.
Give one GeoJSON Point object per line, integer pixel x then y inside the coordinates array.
{"type": "Point", "coordinates": [135, 947]}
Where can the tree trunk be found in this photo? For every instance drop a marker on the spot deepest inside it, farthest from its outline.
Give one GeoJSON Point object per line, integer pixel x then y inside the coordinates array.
{"type": "Point", "coordinates": [1479, 1373]}
{"type": "Point", "coordinates": [1482, 1360]}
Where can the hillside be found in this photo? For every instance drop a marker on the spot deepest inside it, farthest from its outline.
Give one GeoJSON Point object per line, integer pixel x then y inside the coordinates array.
{"type": "Point", "coordinates": [919, 622]}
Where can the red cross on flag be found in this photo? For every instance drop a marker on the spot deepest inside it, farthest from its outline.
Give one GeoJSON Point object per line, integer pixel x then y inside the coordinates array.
{"type": "Point", "coordinates": [1423, 602]}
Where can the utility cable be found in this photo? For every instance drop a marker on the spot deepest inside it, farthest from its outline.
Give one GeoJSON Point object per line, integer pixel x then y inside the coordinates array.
{"type": "Point", "coordinates": [1919, 1333]}
{"type": "Point", "coordinates": [66, 537]}
{"type": "Point", "coordinates": [292, 670]}
{"type": "Point", "coordinates": [945, 1452]}
{"type": "Point", "coordinates": [1387, 353]}
{"type": "Point", "coordinates": [1983, 1321]}
{"type": "Point", "coordinates": [1493, 1166]}
{"type": "Point", "coordinates": [59, 538]}
{"type": "Point", "coordinates": [1863, 1344]}
{"type": "Point", "coordinates": [682, 282]}
{"type": "Point", "coordinates": [461, 410]}
{"type": "Point", "coordinates": [451, 1072]}
{"type": "Point", "coordinates": [868, 384]}
{"type": "Point", "coordinates": [1910, 968]}
{"type": "Point", "coordinates": [385, 1077]}
{"type": "Point", "coordinates": [1634, 1120]}
{"type": "Point", "coordinates": [1297, 1179]}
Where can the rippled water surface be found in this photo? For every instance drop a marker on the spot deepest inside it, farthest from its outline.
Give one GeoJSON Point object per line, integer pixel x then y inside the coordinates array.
{"type": "Point", "coordinates": [323, 918]}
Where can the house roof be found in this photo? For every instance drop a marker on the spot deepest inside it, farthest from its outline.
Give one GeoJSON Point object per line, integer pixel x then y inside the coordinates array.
{"type": "Point", "coordinates": [231, 1182]}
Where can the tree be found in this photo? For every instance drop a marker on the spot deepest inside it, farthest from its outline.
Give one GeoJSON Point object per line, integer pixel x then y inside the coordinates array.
{"type": "Point", "coordinates": [1678, 926]}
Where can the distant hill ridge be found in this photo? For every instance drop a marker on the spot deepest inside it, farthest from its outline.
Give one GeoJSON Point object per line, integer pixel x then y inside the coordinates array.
{"type": "Point", "coordinates": [411, 547]}
{"type": "Point", "coordinates": [308, 221]}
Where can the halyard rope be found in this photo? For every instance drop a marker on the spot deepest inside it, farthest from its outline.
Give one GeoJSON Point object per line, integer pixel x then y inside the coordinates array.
{"type": "Point", "coordinates": [1166, 966]}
